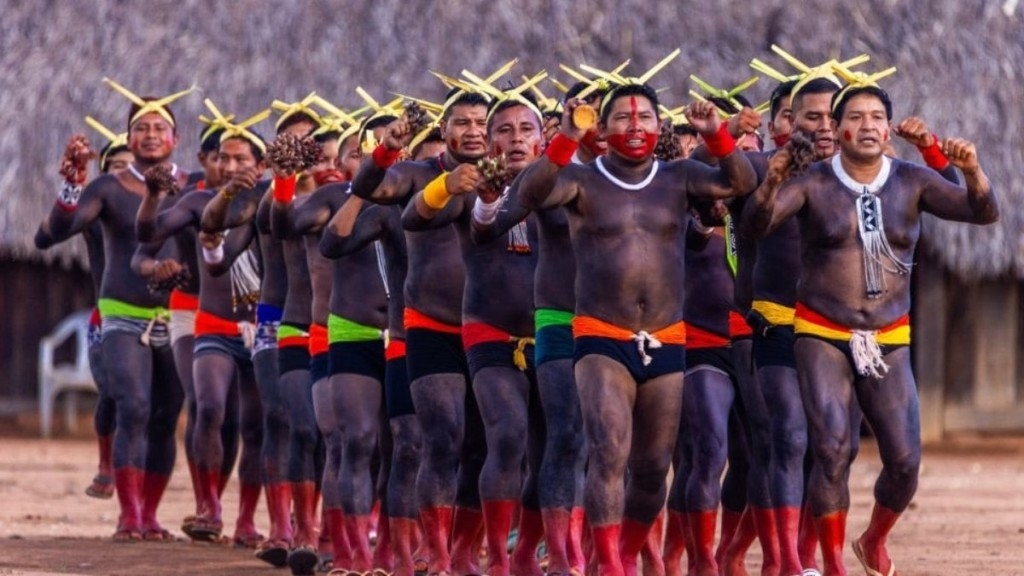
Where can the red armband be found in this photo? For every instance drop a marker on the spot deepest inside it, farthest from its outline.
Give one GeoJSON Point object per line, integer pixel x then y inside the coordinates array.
{"type": "Point", "coordinates": [560, 150]}
{"type": "Point", "coordinates": [933, 155]}
{"type": "Point", "coordinates": [385, 157]}
{"type": "Point", "coordinates": [284, 188]}
{"type": "Point", "coordinates": [721, 143]}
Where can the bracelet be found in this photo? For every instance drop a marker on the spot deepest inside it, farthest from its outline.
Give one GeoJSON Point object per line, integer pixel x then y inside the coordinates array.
{"type": "Point", "coordinates": [385, 157]}
{"type": "Point", "coordinates": [436, 195]}
{"type": "Point", "coordinates": [933, 155]}
{"type": "Point", "coordinates": [284, 188]}
{"type": "Point", "coordinates": [69, 195]}
{"type": "Point", "coordinates": [215, 256]}
{"type": "Point", "coordinates": [699, 227]}
{"type": "Point", "coordinates": [721, 143]}
{"type": "Point", "coordinates": [485, 212]}
{"type": "Point", "coordinates": [229, 196]}
{"type": "Point", "coordinates": [561, 149]}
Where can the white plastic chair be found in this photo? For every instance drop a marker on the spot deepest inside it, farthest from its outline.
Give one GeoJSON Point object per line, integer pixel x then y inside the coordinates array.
{"type": "Point", "coordinates": [54, 379]}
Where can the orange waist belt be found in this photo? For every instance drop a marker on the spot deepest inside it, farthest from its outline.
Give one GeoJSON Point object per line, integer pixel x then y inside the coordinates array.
{"type": "Point", "coordinates": [590, 326]}
{"type": "Point", "coordinates": [698, 338]}
{"type": "Point", "coordinates": [318, 342]}
{"type": "Point", "coordinates": [208, 324]}
{"type": "Point", "coordinates": [395, 350]}
{"type": "Point", "coordinates": [415, 319]}
{"type": "Point", "coordinates": [810, 322]}
{"type": "Point", "coordinates": [183, 301]}
{"type": "Point", "coordinates": [738, 327]}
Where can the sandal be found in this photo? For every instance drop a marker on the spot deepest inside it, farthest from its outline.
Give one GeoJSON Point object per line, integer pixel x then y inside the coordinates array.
{"type": "Point", "coordinates": [102, 487]}
{"type": "Point", "coordinates": [303, 560]}
{"type": "Point", "coordinates": [250, 541]}
{"type": "Point", "coordinates": [123, 535]}
{"type": "Point", "coordinates": [157, 535]}
{"type": "Point", "coordinates": [273, 552]}
{"type": "Point", "coordinates": [206, 530]}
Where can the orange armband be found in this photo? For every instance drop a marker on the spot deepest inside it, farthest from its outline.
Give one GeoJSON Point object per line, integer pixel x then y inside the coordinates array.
{"type": "Point", "coordinates": [436, 195]}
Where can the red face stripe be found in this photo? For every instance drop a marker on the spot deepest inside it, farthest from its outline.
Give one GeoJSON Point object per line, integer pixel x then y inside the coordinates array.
{"type": "Point", "coordinates": [847, 136]}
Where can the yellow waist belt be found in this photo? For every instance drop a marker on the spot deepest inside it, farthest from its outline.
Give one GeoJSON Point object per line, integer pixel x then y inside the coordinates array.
{"type": "Point", "coordinates": [775, 314]}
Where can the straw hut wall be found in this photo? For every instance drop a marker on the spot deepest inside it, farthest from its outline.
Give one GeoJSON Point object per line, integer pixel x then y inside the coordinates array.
{"type": "Point", "coordinates": [959, 68]}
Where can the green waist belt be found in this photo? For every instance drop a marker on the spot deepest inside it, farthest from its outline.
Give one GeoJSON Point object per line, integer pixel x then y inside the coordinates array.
{"type": "Point", "coordinates": [544, 317]}
{"type": "Point", "coordinates": [342, 330]}
{"type": "Point", "coordinates": [112, 307]}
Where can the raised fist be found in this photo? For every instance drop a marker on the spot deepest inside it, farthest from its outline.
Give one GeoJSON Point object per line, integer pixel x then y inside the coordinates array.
{"type": "Point", "coordinates": [463, 179]}
{"type": "Point", "coordinates": [703, 116]}
{"type": "Point", "coordinates": [962, 154]}
{"type": "Point", "coordinates": [74, 166]}
{"type": "Point", "coordinates": [916, 132]}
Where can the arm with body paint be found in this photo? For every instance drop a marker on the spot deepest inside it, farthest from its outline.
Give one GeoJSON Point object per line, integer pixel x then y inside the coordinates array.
{"type": "Point", "coordinates": [775, 199]}
{"type": "Point", "coordinates": [948, 201]}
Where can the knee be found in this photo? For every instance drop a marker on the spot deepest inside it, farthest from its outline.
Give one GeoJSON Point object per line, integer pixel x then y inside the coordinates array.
{"type": "Point", "coordinates": [508, 447]}
{"type": "Point", "coordinates": [303, 433]}
{"type": "Point", "coordinates": [275, 417]}
{"type": "Point", "coordinates": [790, 444]}
{"type": "Point", "coordinates": [905, 466]}
{"type": "Point", "coordinates": [209, 417]}
{"type": "Point", "coordinates": [710, 457]}
{"type": "Point", "coordinates": [832, 457]}
{"type": "Point", "coordinates": [360, 443]}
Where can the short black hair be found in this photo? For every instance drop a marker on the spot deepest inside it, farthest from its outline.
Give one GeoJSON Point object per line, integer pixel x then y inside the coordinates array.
{"type": "Point", "coordinates": [211, 142]}
{"type": "Point", "coordinates": [136, 107]}
{"type": "Point", "coordinates": [327, 136]}
{"type": "Point", "coordinates": [840, 99]}
{"type": "Point", "coordinates": [460, 97]}
{"type": "Point", "coordinates": [433, 136]}
{"type": "Point", "coordinates": [726, 105]}
{"type": "Point", "coordinates": [295, 119]}
{"type": "Point", "coordinates": [684, 129]}
{"type": "Point", "coordinates": [628, 90]}
{"type": "Point", "coordinates": [580, 86]}
{"type": "Point", "coordinates": [816, 86]}
{"type": "Point", "coordinates": [257, 153]}
{"type": "Point", "coordinates": [498, 105]}
{"type": "Point", "coordinates": [108, 151]}
{"type": "Point", "coordinates": [783, 90]}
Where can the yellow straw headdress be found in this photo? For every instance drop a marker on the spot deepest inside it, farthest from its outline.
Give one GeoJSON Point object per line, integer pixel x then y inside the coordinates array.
{"type": "Point", "coordinates": [159, 105]}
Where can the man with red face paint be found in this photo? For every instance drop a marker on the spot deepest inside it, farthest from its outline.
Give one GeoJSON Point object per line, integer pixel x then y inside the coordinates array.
{"type": "Point", "coordinates": [853, 297]}
{"type": "Point", "coordinates": [453, 440]}
{"type": "Point", "coordinates": [627, 214]}
{"type": "Point", "coordinates": [137, 358]}
{"type": "Point", "coordinates": [498, 333]}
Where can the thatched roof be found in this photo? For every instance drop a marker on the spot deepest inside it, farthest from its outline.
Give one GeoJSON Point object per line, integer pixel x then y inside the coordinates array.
{"type": "Point", "coordinates": [959, 68]}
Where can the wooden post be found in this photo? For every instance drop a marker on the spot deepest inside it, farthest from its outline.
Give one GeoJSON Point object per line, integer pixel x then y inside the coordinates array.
{"type": "Point", "coordinates": [995, 370]}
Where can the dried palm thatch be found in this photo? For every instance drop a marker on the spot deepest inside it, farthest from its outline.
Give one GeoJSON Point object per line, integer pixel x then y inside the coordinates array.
{"type": "Point", "coordinates": [959, 68]}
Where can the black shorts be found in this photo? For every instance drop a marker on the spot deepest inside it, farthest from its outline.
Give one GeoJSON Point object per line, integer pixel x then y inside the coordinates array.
{"type": "Point", "coordinates": [290, 358]}
{"type": "Point", "coordinates": [775, 348]}
{"type": "Point", "coordinates": [397, 395]}
{"type": "Point", "coordinates": [844, 347]}
{"type": "Point", "coordinates": [554, 343]}
{"type": "Point", "coordinates": [719, 358]}
{"type": "Point", "coordinates": [431, 352]}
{"type": "Point", "coordinates": [665, 360]}
{"type": "Point", "coordinates": [319, 366]}
{"type": "Point", "coordinates": [364, 358]}
{"type": "Point", "coordinates": [498, 355]}
{"type": "Point", "coordinates": [230, 346]}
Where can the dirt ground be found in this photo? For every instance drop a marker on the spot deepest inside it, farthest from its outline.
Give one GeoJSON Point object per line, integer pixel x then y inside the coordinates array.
{"type": "Point", "coordinates": [968, 517]}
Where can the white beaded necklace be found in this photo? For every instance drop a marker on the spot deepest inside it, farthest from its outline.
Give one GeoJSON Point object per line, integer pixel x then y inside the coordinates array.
{"type": "Point", "coordinates": [626, 185]}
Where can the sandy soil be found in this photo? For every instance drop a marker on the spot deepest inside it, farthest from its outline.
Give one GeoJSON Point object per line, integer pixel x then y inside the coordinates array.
{"type": "Point", "coordinates": [968, 517]}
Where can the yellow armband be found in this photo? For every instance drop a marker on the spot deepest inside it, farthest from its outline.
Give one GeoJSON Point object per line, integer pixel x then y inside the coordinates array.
{"type": "Point", "coordinates": [436, 195]}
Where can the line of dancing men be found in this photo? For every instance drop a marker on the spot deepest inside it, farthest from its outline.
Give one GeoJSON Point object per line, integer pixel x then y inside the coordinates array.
{"type": "Point", "coordinates": [478, 314]}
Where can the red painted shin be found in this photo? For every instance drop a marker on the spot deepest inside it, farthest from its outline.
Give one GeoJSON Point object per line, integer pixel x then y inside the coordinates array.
{"type": "Point", "coordinates": [437, 526]}
{"type": "Point", "coordinates": [787, 520]}
{"type": "Point", "coordinates": [831, 533]}
{"type": "Point", "coordinates": [764, 524]}
{"type": "Point", "coordinates": [730, 524]}
{"type": "Point", "coordinates": [874, 538]}
{"type": "Point", "coordinates": [279, 502]}
{"type": "Point", "coordinates": [128, 485]}
{"type": "Point", "coordinates": [556, 537]}
{"type": "Point", "coordinates": [574, 546]}
{"type": "Point", "coordinates": [523, 561]}
{"type": "Point", "coordinates": [153, 487]}
{"type": "Point", "coordinates": [357, 528]}
{"type": "Point", "coordinates": [209, 481]}
{"type": "Point", "coordinates": [403, 535]}
{"type": "Point", "coordinates": [606, 547]}
{"type": "Point", "coordinates": [675, 543]}
{"type": "Point", "coordinates": [248, 500]}
{"type": "Point", "coordinates": [106, 445]}
{"type": "Point", "coordinates": [702, 528]}
{"type": "Point", "coordinates": [467, 526]}
{"type": "Point", "coordinates": [335, 519]}
{"type": "Point", "coordinates": [304, 505]}
{"type": "Point", "coordinates": [734, 560]}
{"type": "Point", "coordinates": [497, 523]}
{"type": "Point", "coordinates": [807, 544]}
{"type": "Point", "coordinates": [654, 564]}
{"type": "Point", "coordinates": [383, 552]}
{"type": "Point", "coordinates": [632, 539]}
